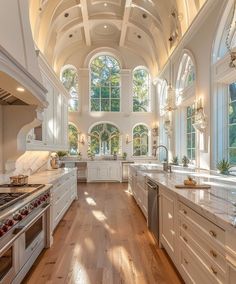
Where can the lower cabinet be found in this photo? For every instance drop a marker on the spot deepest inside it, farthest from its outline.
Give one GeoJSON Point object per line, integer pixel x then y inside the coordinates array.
{"type": "Point", "coordinates": [63, 193]}
{"type": "Point", "coordinates": [104, 171]}
{"type": "Point", "coordinates": [196, 245]}
{"type": "Point", "coordinates": [167, 222]}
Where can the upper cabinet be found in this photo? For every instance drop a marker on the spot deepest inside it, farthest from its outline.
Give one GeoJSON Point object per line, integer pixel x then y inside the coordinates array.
{"type": "Point", "coordinates": [52, 134]}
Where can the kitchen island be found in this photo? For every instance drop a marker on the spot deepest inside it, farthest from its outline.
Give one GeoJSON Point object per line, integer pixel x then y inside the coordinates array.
{"type": "Point", "coordinates": [197, 226]}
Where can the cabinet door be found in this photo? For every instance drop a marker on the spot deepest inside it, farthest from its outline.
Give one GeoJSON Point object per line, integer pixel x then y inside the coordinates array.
{"type": "Point", "coordinates": [93, 173]}
{"type": "Point", "coordinates": [48, 124]}
{"type": "Point", "coordinates": [114, 172]}
{"type": "Point", "coordinates": [167, 224]}
{"type": "Point", "coordinates": [64, 124]}
{"type": "Point", "coordinates": [103, 172]}
{"type": "Point", "coordinates": [58, 106]}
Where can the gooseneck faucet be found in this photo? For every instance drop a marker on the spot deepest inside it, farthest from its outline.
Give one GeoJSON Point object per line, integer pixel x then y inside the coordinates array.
{"type": "Point", "coordinates": [166, 166]}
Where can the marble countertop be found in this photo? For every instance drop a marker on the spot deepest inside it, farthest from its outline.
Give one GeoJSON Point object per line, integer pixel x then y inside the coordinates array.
{"type": "Point", "coordinates": [50, 176]}
{"type": "Point", "coordinates": [217, 203]}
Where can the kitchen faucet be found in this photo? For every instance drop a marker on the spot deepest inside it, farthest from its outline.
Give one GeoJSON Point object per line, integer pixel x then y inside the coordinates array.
{"type": "Point", "coordinates": [166, 166]}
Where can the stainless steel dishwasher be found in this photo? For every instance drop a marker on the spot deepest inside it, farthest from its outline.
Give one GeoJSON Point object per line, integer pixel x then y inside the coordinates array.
{"type": "Point", "coordinates": [153, 208]}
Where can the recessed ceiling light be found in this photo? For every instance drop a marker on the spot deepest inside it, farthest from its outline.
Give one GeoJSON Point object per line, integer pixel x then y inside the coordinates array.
{"type": "Point", "coordinates": [105, 26]}
{"type": "Point", "coordinates": [139, 36]}
{"type": "Point", "coordinates": [70, 35]}
{"type": "Point", "coordinates": [66, 15]}
{"type": "Point", "coordinates": [144, 15]}
{"type": "Point", "coordinates": [105, 4]}
{"type": "Point", "coordinates": [20, 89]}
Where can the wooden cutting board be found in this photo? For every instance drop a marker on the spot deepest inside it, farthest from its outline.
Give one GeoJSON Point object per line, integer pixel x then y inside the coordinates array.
{"type": "Point", "coordinates": [197, 186]}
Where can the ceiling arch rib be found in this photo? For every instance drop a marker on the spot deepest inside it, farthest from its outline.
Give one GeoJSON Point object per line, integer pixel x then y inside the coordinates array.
{"type": "Point", "coordinates": [125, 21]}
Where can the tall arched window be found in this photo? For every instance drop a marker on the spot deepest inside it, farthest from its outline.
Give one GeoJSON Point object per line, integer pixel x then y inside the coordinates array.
{"type": "Point", "coordinates": [69, 79]}
{"type": "Point", "coordinates": [73, 137]}
{"type": "Point", "coordinates": [140, 140]}
{"type": "Point", "coordinates": [105, 139]}
{"type": "Point", "coordinates": [185, 78]}
{"type": "Point", "coordinates": [141, 90]}
{"type": "Point", "coordinates": [105, 84]}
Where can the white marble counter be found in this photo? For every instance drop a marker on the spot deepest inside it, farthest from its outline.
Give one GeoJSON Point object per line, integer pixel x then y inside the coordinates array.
{"type": "Point", "coordinates": [50, 177]}
{"type": "Point", "coordinates": [216, 203]}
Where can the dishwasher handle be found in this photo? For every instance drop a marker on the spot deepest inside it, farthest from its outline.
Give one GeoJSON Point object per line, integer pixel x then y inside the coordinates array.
{"type": "Point", "coordinates": [150, 185]}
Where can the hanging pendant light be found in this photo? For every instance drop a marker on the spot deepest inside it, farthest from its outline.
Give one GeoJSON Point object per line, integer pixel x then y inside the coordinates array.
{"type": "Point", "coordinates": [170, 100]}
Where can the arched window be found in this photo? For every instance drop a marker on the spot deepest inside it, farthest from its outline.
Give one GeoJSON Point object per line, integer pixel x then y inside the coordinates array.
{"type": "Point", "coordinates": [69, 79]}
{"type": "Point", "coordinates": [105, 139]}
{"type": "Point", "coordinates": [105, 84]}
{"type": "Point", "coordinates": [140, 140]}
{"type": "Point", "coordinates": [185, 78]}
{"type": "Point", "coordinates": [141, 90]}
{"type": "Point", "coordinates": [73, 136]}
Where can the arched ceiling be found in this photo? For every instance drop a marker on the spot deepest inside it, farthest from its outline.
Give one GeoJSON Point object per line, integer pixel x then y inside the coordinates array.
{"type": "Point", "coordinates": [149, 28]}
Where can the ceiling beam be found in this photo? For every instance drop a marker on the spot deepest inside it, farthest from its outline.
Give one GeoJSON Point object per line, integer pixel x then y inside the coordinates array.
{"type": "Point", "coordinates": [127, 10]}
{"type": "Point", "coordinates": [84, 11]}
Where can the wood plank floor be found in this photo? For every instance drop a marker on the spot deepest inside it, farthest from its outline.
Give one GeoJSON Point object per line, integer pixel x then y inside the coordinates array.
{"type": "Point", "coordinates": [103, 238]}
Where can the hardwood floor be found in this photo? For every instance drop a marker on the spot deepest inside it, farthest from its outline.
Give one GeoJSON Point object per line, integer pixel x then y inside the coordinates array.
{"type": "Point", "coordinates": [103, 238]}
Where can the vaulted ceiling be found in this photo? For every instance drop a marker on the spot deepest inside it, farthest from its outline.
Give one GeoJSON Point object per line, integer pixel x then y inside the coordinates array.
{"type": "Point", "coordinates": [149, 28]}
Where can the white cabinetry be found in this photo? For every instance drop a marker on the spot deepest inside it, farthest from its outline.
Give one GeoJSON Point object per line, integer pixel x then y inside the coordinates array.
{"type": "Point", "coordinates": [167, 222]}
{"type": "Point", "coordinates": [55, 117]}
{"type": "Point", "coordinates": [64, 191]}
{"type": "Point", "coordinates": [103, 171]}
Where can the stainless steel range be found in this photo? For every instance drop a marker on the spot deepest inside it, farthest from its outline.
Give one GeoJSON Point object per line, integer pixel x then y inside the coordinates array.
{"type": "Point", "coordinates": [24, 228]}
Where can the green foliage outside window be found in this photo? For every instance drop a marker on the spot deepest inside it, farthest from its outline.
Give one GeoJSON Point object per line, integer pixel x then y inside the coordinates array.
{"type": "Point", "coordinates": [105, 139]}
{"type": "Point", "coordinates": [191, 134]}
{"type": "Point", "coordinates": [141, 81]}
{"type": "Point", "coordinates": [140, 140]}
{"type": "Point", "coordinates": [232, 124]}
{"type": "Point", "coordinates": [105, 84]}
{"type": "Point", "coordinates": [73, 139]}
{"type": "Point", "coordinates": [69, 79]}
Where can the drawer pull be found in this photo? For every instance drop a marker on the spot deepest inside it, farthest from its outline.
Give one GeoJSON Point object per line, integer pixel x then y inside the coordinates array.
{"type": "Point", "coordinates": [213, 234]}
{"type": "Point", "coordinates": [213, 270]}
{"type": "Point", "coordinates": [185, 226]}
{"type": "Point", "coordinates": [185, 239]}
{"type": "Point", "coordinates": [184, 211]}
{"type": "Point", "coordinates": [185, 261]}
{"type": "Point", "coordinates": [213, 253]}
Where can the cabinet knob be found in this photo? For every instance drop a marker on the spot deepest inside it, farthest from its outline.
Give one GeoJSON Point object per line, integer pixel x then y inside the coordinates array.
{"type": "Point", "coordinates": [185, 261]}
{"type": "Point", "coordinates": [213, 253]}
{"type": "Point", "coordinates": [185, 239]}
{"type": "Point", "coordinates": [213, 270]}
{"type": "Point", "coordinates": [185, 226]}
{"type": "Point", "coordinates": [213, 234]}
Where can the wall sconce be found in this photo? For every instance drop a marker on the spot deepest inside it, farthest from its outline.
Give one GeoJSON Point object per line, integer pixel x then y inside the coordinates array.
{"type": "Point", "coordinates": [82, 140]}
{"type": "Point", "coordinates": [127, 141]}
{"type": "Point", "coordinates": [200, 120]}
{"type": "Point", "coordinates": [155, 130]}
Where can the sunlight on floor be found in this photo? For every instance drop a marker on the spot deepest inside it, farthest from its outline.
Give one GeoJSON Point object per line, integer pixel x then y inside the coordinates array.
{"type": "Point", "coordinates": [99, 215]}
{"type": "Point", "coordinates": [89, 244]}
{"type": "Point", "coordinates": [90, 201]}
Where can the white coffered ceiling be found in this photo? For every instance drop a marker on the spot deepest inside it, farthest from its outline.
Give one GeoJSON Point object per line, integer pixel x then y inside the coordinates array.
{"type": "Point", "coordinates": [63, 27]}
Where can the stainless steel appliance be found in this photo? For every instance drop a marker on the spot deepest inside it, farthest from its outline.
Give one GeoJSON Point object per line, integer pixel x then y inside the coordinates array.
{"type": "Point", "coordinates": [24, 221]}
{"type": "Point", "coordinates": [153, 208]}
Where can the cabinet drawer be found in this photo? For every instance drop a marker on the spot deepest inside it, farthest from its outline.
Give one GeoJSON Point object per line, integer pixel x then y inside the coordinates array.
{"type": "Point", "coordinates": [58, 192]}
{"type": "Point", "coordinates": [215, 252]}
{"type": "Point", "coordinates": [215, 233]}
{"type": "Point", "coordinates": [190, 271]}
{"type": "Point", "coordinates": [201, 259]}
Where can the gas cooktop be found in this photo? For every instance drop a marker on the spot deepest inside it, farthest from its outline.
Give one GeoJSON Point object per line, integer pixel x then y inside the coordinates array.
{"type": "Point", "coordinates": [10, 194]}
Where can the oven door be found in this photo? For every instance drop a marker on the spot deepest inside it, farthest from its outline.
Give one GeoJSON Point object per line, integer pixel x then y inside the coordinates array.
{"type": "Point", "coordinates": [33, 240]}
{"type": "Point", "coordinates": [8, 264]}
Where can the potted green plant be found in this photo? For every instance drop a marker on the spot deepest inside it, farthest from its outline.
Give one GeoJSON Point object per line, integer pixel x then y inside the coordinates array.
{"type": "Point", "coordinates": [175, 161]}
{"type": "Point", "coordinates": [124, 155]}
{"type": "Point", "coordinates": [185, 161]}
{"type": "Point", "coordinates": [62, 154]}
{"type": "Point", "coordinates": [223, 167]}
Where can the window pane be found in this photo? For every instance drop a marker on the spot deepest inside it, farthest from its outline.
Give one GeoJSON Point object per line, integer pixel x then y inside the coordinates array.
{"type": "Point", "coordinates": [232, 113]}
{"type": "Point", "coordinates": [105, 72]}
{"type": "Point", "coordinates": [140, 140]}
{"type": "Point", "coordinates": [188, 125]}
{"type": "Point", "coordinates": [189, 154]}
{"type": "Point", "coordinates": [232, 156]}
{"type": "Point", "coordinates": [115, 93]}
{"type": "Point", "coordinates": [105, 91]}
{"type": "Point", "coordinates": [73, 139]}
{"type": "Point", "coordinates": [115, 105]}
{"type": "Point", "coordinates": [95, 104]}
{"type": "Point", "coordinates": [193, 140]}
{"type": "Point", "coordinates": [232, 136]}
{"type": "Point", "coordinates": [189, 141]}
{"type": "Point", "coordinates": [95, 93]}
{"type": "Point", "coordinates": [105, 105]}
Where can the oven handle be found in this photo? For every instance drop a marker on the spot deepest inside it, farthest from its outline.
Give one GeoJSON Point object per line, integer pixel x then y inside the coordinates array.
{"type": "Point", "coordinates": [23, 229]}
{"type": "Point", "coordinates": [151, 186]}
